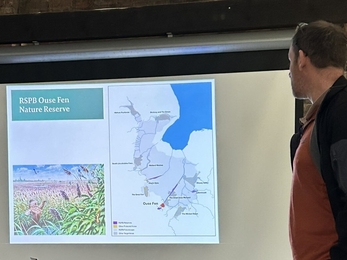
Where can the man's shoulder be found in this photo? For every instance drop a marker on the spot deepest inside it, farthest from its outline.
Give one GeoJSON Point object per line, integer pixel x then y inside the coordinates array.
{"type": "Point", "coordinates": [338, 93]}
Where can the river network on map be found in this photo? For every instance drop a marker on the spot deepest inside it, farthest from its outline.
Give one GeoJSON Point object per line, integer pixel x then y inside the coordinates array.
{"type": "Point", "coordinates": [163, 160]}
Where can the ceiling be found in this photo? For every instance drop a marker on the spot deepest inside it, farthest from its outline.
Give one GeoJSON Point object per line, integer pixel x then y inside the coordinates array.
{"type": "Point", "coordinates": [167, 20]}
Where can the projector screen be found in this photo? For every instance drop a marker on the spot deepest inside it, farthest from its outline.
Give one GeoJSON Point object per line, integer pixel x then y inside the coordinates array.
{"type": "Point", "coordinates": [254, 110]}
{"type": "Point", "coordinates": [131, 162]}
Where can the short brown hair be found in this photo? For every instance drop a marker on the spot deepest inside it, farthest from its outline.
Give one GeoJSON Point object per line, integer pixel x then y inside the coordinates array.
{"type": "Point", "coordinates": [323, 42]}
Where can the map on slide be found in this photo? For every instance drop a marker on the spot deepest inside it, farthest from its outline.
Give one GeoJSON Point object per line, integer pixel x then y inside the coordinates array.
{"type": "Point", "coordinates": [163, 160]}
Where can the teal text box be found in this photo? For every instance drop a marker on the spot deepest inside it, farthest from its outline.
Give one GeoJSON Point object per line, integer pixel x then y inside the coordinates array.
{"type": "Point", "coordinates": [57, 104]}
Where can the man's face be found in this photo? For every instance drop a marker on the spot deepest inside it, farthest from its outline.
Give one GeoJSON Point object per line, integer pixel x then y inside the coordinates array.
{"type": "Point", "coordinates": [296, 76]}
{"type": "Point", "coordinates": [33, 203]}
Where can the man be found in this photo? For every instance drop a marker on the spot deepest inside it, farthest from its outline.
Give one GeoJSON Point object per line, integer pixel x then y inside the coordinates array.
{"type": "Point", "coordinates": [35, 210]}
{"type": "Point", "coordinates": [318, 206]}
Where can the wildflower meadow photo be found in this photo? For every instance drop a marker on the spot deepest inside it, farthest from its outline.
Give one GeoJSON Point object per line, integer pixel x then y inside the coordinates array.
{"type": "Point", "coordinates": [59, 199]}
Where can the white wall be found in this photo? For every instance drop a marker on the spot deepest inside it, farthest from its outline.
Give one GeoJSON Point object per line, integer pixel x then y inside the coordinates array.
{"type": "Point", "coordinates": [255, 120]}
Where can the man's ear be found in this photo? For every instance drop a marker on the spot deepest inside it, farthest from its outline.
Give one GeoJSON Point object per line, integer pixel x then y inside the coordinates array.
{"type": "Point", "coordinates": [302, 59]}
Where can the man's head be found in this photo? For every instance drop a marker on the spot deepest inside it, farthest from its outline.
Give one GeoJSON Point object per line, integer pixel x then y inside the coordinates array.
{"type": "Point", "coordinates": [316, 48]}
{"type": "Point", "coordinates": [323, 42]}
{"type": "Point", "coordinates": [32, 203]}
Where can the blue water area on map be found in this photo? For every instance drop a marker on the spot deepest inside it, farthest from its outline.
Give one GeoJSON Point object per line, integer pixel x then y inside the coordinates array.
{"type": "Point", "coordinates": [195, 102]}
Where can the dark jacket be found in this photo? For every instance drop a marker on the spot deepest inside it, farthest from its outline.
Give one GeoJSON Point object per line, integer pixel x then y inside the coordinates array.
{"type": "Point", "coordinates": [331, 134]}
{"type": "Point", "coordinates": [331, 125]}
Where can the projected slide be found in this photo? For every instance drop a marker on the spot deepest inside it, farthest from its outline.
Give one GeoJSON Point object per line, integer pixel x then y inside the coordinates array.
{"type": "Point", "coordinates": [113, 163]}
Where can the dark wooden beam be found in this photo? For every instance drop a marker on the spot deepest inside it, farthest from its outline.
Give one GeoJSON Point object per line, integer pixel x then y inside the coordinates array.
{"type": "Point", "coordinates": [145, 67]}
{"type": "Point", "coordinates": [178, 19]}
